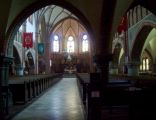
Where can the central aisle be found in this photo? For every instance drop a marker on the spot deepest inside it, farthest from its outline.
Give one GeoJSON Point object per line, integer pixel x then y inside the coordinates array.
{"type": "Point", "coordinates": [61, 102]}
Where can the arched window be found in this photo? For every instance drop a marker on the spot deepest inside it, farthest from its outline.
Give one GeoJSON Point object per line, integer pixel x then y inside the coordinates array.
{"type": "Point", "coordinates": [145, 65]}
{"type": "Point", "coordinates": [56, 44]}
{"type": "Point", "coordinates": [85, 43]}
{"type": "Point", "coordinates": [70, 44]}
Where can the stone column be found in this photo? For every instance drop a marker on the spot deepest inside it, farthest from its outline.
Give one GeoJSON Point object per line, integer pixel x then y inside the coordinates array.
{"type": "Point", "coordinates": [36, 52]}
{"type": "Point", "coordinates": [47, 56]}
{"type": "Point", "coordinates": [97, 85]}
{"type": "Point", "coordinates": [154, 68]}
{"type": "Point", "coordinates": [113, 68]}
{"type": "Point", "coordinates": [104, 68]}
{"type": "Point", "coordinates": [4, 87]}
{"type": "Point", "coordinates": [133, 68]}
{"type": "Point", "coordinates": [102, 63]}
{"type": "Point", "coordinates": [19, 70]}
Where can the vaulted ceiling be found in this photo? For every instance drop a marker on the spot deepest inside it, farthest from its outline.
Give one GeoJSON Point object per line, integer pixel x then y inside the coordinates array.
{"type": "Point", "coordinates": [102, 16]}
{"type": "Point", "coordinates": [53, 15]}
{"type": "Point", "coordinates": [70, 26]}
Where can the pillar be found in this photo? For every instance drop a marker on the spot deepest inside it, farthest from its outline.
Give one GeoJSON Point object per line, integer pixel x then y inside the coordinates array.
{"type": "Point", "coordinates": [133, 68]}
{"type": "Point", "coordinates": [98, 82]}
{"type": "Point", "coordinates": [4, 87]}
{"type": "Point", "coordinates": [102, 62]}
{"type": "Point", "coordinates": [113, 69]}
{"type": "Point", "coordinates": [19, 70]}
{"type": "Point", "coordinates": [94, 97]}
{"type": "Point", "coordinates": [46, 55]}
{"type": "Point", "coordinates": [36, 51]}
{"type": "Point", "coordinates": [154, 68]}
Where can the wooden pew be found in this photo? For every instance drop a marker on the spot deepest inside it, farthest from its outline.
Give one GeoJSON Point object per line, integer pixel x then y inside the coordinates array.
{"type": "Point", "coordinates": [19, 91]}
{"type": "Point", "coordinates": [26, 88]}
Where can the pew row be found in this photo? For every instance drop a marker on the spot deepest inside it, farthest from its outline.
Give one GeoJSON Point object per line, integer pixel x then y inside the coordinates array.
{"type": "Point", "coordinates": [26, 88]}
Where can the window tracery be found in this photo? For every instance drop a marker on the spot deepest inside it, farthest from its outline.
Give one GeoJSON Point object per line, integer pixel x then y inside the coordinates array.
{"type": "Point", "coordinates": [85, 43]}
{"type": "Point", "coordinates": [70, 44]}
{"type": "Point", "coordinates": [56, 43]}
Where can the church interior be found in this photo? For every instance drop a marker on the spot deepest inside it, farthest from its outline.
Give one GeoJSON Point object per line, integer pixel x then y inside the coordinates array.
{"type": "Point", "coordinates": [78, 60]}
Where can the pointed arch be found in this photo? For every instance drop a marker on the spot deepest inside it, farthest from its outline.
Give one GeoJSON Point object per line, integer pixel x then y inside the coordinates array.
{"type": "Point", "coordinates": [116, 53]}
{"type": "Point", "coordinates": [36, 6]}
{"type": "Point", "coordinates": [138, 44]}
{"type": "Point", "coordinates": [85, 43]}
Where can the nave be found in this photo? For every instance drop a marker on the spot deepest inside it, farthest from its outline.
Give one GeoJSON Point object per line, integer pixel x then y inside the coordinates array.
{"type": "Point", "coordinates": [60, 102]}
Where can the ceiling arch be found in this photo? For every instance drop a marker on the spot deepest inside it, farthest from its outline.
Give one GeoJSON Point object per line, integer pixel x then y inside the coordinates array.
{"type": "Point", "coordinates": [139, 42]}
{"type": "Point", "coordinates": [52, 15]}
{"type": "Point", "coordinates": [67, 10]}
{"type": "Point", "coordinates": [71, 24]}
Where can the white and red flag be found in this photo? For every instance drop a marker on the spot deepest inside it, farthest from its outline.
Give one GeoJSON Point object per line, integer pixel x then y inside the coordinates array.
{"type": "Point", "coordinates": [27, 40]}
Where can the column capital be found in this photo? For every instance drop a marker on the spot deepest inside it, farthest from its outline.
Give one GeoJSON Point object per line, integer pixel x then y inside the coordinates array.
{"type": "Point", "coordinates": [133, 63]}
{"type": "Point", "coordinates": [102, 59]}
{"type": "Point", "coordinates": [133, 68]}
{"type": "Point", "coordinates": [4, 60]}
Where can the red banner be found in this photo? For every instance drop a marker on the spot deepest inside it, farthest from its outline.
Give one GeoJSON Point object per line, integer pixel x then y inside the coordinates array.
{"type": "Point", "coordinates": [123, 26]}
{"type": "Point", "coordinates": [28, 40]}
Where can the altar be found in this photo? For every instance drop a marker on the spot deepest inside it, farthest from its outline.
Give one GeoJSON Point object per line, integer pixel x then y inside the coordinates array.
{"type": "Point", "coordinates": [66, 70]}
{"type": "Point", "coordinates": [70, 64]}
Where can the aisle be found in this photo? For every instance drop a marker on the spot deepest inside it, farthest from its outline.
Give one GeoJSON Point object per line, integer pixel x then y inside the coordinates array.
{"type": "Point", "coordinates": [61, 102]}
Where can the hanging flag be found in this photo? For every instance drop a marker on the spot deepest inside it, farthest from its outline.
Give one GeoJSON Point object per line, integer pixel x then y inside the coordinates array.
{"type": "Point", "coordinates": [123, 26]}
{"type": "Point", "coordinates": [40, 48]}
{"type": "Point", "coordinates": [28, 40]}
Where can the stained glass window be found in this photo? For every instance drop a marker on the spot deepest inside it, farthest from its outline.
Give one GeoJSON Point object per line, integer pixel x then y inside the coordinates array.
{"type": "Point", "coordinates": [85, 43]}
{"type": "Point", "coordinates": [56, 44]}
{"type": "Point", "coordinates": [70, 44]}
{"type": "Point", "coordinates": [145, 64]}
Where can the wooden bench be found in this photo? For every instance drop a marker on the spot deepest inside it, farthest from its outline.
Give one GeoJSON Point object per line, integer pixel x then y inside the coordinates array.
{"type": "Point", "coordinates": [26, 88]}
{"type": "Point", "coordinates": [19, 91]}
